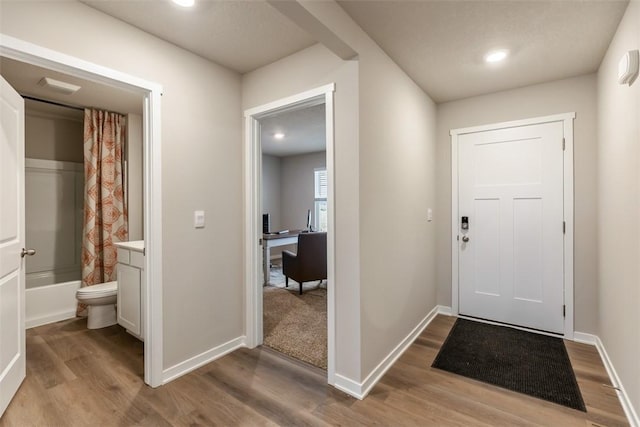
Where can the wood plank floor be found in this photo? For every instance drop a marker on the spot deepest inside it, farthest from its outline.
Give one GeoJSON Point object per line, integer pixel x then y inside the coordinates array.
{"type": "Point", "coordinates": [77, 377]}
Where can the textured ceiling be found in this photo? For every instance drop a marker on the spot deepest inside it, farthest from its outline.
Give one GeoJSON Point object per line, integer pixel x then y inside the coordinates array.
{"type": "Point", "coordinates": [240, 35]}
{"type": "Point", "coordinates": [25, 77]}
{"type": "Point", "coordinates": [441, 44]}
{"type": "Point", "coordinates": [304, 132]}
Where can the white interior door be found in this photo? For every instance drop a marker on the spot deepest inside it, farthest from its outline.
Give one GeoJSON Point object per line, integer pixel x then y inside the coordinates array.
{"type": "Point", "coordinates": [511, 257]}
{"type": "Point", "coordinates": [12, 331]}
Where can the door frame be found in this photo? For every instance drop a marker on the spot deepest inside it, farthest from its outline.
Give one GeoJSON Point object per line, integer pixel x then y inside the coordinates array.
{"type": "Point", "coordinates": [567, 121]}
{"type": "Point", "coordinates": [29, 53]}
{"type": "Point", "coordinates": [253, 214]}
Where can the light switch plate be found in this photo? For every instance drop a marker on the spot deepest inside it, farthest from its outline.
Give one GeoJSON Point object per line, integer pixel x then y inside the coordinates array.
{"type": "Point", "coordinates": [429, 214]}
{"type": "Point", "coordinates": [198, 219]}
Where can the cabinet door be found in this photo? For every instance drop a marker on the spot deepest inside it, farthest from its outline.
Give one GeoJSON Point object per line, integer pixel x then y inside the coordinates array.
{"type": "Point", "coordinates": [129, 298]}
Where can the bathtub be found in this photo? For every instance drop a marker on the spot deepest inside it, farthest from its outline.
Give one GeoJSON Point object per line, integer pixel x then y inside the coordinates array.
{"type": "Point", "coordinates": [50, 303]}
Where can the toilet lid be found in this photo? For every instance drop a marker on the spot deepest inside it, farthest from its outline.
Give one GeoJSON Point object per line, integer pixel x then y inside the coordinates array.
{"type": "Point", "coordinates": [101, 290]}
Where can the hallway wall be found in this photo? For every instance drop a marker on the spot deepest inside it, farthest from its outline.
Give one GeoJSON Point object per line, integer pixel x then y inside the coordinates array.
{"type": "Point", "coordinates": [619, 208]}
{"type": "Point", "coordinates": [201, 163]}
{"type": "Point", "coordinates": [397, 124]}
{"type": "Point", "coordinates": [310, 68]}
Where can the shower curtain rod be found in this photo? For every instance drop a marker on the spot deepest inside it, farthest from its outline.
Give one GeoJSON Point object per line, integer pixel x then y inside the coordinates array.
{"type": "Point", "coordinates": [31, 98]}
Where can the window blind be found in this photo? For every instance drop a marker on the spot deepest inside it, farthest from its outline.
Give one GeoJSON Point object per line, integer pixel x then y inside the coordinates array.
{"type": "Point", "coordinates": [321, 183]}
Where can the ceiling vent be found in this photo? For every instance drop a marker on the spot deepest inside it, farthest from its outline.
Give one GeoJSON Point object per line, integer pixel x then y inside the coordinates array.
{"type": "Point", "coordinates": [58, 86]}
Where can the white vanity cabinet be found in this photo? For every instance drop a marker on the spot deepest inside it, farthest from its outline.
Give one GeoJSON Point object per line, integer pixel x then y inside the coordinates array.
{"type": "Point", "coordinates": [131, 287]}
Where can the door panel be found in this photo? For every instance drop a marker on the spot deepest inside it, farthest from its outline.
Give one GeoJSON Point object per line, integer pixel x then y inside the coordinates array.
{"type": "Point", "coordinates": [527, 248]}
{"type": "Point", "coordinates": [487, 256]}
{"type": "Point", "coordinates": [510, 185]}
{"type": "Point", "coordinates": [12, 332]}
{"type": "Point", "coordinates": [515, 162]}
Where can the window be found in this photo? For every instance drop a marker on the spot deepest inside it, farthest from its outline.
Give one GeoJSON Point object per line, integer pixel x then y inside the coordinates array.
{"type": "Point", "coordinates": [320, 204]}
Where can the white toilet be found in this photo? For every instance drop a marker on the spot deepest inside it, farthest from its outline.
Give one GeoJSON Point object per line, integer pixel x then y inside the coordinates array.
{"type": "Point", "coordinates": [101, 302]}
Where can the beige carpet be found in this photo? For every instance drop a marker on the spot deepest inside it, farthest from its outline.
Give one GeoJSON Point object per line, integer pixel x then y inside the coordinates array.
{"type": "Point", "coordinates": [296, 325]}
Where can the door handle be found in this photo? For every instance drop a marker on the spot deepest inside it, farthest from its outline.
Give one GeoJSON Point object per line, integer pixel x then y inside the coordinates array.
{"type": "Point", "coordinates": [465, 239]}
{"type": "Point", "coordinates": [25, 252]}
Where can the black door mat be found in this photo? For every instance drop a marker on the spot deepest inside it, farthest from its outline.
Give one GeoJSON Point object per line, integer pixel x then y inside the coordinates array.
{"type": "Point", "coordinates": [533, 364]}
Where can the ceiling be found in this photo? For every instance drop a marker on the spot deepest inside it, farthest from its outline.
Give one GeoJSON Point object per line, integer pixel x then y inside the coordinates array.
{"type": "Point", "coordinates": [304, 132]}
{"type": "Point", "coordinates": [240, 35]}
{"type": "Point", "coordinates": [441, 44]}
{"type": "Point", "coordinates": [25, 77]}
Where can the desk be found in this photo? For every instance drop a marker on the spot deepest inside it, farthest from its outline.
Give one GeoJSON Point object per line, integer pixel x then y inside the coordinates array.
{"type": "Point", "coordinates": [271, 241]}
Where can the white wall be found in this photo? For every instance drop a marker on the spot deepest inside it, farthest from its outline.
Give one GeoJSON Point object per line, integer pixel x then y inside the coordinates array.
{"type": "Point", "coordinates": [271, 197]}
{"type": "Point", "coordinates": [385, 182]}
{"type": "Point", "coordinates": [397, 154]}
{"type": "Point", "coordinates": [297, 188]}
{"type": "Point", "coordinates": [304, 70]}
{"type": "Point", "coordinates": [271, 192]}
{"type": "Point", "coordinates": [201, 167]}
{"type": "Point", "coordinates": [52, 137]}
{"type": "Point", "coordinates": [576, 94]}
{"type": "Point", "coordinates": [134, 176]}
{"type": "Point", "coordinates": [397, 186]}
{"type": "Point", "coordinates": [619, 208]}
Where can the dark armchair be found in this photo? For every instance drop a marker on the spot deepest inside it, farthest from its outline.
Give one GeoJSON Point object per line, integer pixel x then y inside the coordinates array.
{"type": "Point", "coordinates": [310, 263]}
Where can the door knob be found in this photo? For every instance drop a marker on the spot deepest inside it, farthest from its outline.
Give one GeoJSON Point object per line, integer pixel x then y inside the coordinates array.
{"type": "Point", "coordinates": [465, 239]}
{"type": "Point", "coordinates": [26, 252]}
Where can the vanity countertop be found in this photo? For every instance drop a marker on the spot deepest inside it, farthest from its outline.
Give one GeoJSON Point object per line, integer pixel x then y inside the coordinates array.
{"type": "Point", "coordinates": [136, 245]}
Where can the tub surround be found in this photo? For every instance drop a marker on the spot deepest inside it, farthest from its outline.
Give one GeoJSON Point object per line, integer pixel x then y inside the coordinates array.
{"type": "Point", "coordinates": [53, 221]}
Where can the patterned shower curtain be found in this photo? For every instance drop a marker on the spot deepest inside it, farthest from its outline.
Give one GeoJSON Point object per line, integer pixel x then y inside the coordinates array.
{"type": "Point", "coordinates": [105, 210]}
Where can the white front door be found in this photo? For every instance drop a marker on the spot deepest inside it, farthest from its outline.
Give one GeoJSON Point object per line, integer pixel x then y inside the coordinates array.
{"type": "Point", "coordinates": [12, 331]}
{"type": "Point", "coordinates": [511, 254]}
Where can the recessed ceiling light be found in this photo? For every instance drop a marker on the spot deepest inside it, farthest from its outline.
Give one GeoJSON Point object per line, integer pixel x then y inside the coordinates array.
{"type": "Point", "coordinates": [496, 55]}
{"type": "Point", "coordinates": [185, 3]}
{"type": "Point", "coordinates": [278, 135]}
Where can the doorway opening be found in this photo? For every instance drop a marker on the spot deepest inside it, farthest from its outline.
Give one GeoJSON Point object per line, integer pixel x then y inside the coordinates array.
{"type": "Point", "coordinates": [512, 223]}
{"type": "Point", "coordinates": [298, 210]}
{"type": "Point", "coordinates": [149, 94]}
{"type": "Point", "coordinates": [294, 210]}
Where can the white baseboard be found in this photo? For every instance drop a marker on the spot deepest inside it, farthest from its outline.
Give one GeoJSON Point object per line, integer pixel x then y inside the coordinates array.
{"type": "Point", "coordinates": [444, 310]}
{"type": "Point", "coordinates": [349, 386]}
{"type": "Point", "coordinates": [51, 303]}
{"type": "Point", "coordinates": [585, 338]}
{"type": "Point", "coordinates": [629, 410]}
{"type": "Point", "coordinates": [201, 359]}
{"type": "Point", "coordinates": [360, 390]}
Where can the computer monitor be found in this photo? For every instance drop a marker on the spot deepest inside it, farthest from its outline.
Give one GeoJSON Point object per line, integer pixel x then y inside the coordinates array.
{"type": "Point", "coordinates": [309, 220]}
{"type": "Point", "coordinates": [266, 223]}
